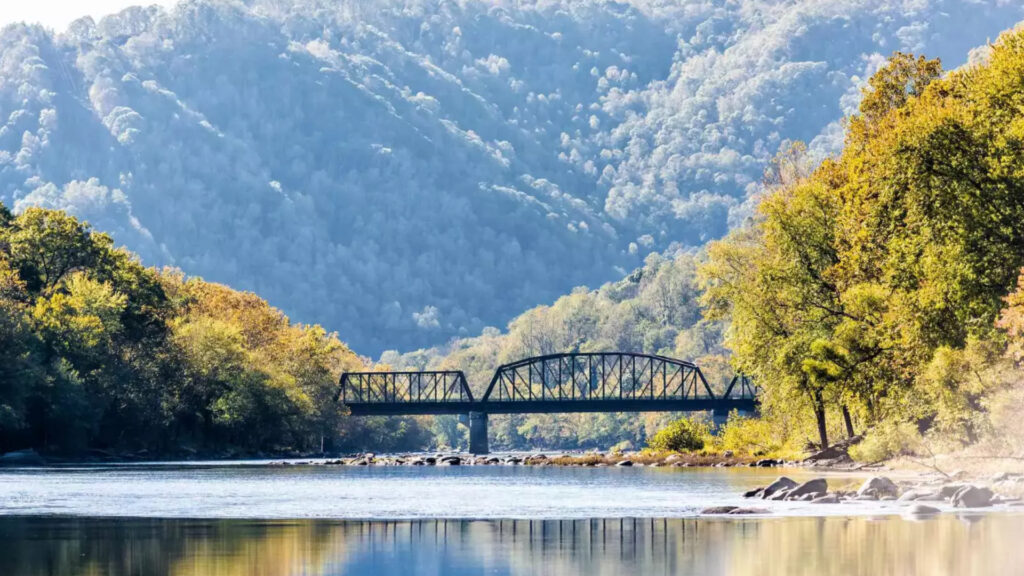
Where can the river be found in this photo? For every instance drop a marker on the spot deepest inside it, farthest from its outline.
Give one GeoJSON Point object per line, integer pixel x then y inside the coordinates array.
{"type": "Point", "coordinates": [212, 519]}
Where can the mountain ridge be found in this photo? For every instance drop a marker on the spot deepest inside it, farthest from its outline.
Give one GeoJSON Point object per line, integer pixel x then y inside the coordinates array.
{"type": "Point", "coordinates": [409, 172]}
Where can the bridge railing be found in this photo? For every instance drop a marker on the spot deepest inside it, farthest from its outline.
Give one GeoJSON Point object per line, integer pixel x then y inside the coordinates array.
{"type": "Point", "coordinates": [391, 387]}
{"type": "Point", "coordinates": [597, 376]}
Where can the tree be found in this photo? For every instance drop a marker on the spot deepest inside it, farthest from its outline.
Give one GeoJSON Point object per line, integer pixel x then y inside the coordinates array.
{"type": "Point", "coordinates": [20, 371]}
{"type": "Point", "coordinates": [1011, 320]}
{"type": "Point", "coordinates": [46, 245]}
{"type": "Point", "coordinates": [874, 281]}
{"type": "Point", "coordinates": [5, 216]}
{"type": "Point", "coordinates": [890, 88]}
{"type": "Point", "coordinates": [773, 281]}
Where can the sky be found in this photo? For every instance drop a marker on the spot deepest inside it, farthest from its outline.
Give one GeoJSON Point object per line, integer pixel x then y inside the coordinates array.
{"type": "Point", "coordinates": [57, 14]}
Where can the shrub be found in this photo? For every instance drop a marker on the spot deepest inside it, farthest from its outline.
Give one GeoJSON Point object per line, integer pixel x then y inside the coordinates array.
{"type": "Point", "coordinates": [682, 435]}
{"type": "Point", "coordinates": [885, 441]}
{"type": "Point", "coordinates": [621, 447]}
{"type": "Point", "coordinates": [757, 437]}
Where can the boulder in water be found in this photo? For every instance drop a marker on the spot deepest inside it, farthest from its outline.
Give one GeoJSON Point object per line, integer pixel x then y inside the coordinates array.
{"type": "Point", "coordinates": [972, 497]}
{"type": "Point", "coordinates": [739, 511]}
{"type": "Point", "coordinates": [922, 510]}
{"type": "Point", "coordinates": [879, 486]}
{"type": "Point", "coordinates": [817, 486]}
{"type": "Point", "coordinates": [781, 483]}
{"type": "Point", "coordinates": [22, 458]}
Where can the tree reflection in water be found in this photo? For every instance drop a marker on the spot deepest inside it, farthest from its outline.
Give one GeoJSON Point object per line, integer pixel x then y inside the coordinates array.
{"type": "Point", "coordinates": [948, 544]}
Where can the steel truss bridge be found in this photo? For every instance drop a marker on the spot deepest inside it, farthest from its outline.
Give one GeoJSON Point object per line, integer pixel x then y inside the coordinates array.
{"type": "Point", "coordinates": [555, 383]}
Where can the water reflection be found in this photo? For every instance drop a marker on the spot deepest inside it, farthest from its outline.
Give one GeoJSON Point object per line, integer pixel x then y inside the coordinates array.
{"type": "Point", "coordinates": [790, 546]}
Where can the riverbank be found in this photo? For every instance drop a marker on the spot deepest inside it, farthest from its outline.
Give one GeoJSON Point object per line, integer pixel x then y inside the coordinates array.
{"type": "Point", "coordinates": [587, 459]}
{"type": "Point", "coordinates": [538, 458]}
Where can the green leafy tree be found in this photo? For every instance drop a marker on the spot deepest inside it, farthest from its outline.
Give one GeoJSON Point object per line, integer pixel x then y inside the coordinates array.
{"type": "Point", "coordinates": [46, 245]}
{"type": "Point", "coordinates": [874, 281]}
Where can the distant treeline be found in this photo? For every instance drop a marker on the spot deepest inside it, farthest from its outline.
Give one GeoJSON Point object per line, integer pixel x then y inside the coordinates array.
{"type": "Point", "coordinates": [99, 352]}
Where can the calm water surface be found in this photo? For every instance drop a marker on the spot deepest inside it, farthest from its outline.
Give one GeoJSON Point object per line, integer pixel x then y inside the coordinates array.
{"type": "Point", "coordinates": [214, 520]}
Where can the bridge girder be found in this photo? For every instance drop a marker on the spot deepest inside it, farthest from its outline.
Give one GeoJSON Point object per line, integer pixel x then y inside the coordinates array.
{"type": "Point", "coordinates": [571, 382]}
{"type": "Point", "coordinates": [554, 383]}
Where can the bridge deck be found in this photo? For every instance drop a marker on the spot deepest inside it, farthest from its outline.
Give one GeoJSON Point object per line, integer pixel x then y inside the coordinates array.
{"type": "Point", "coordinates": [552, 406]}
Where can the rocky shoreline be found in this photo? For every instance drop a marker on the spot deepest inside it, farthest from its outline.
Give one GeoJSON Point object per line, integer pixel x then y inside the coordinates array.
{"type": "Point", "coordinates": [589, 459]}
{"type": "Point", "coordinates": [586, 459]}
{"type": "Point", "coordinates": [916, 497]}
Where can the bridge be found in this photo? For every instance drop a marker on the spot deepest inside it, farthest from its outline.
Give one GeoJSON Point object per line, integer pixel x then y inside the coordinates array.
{"type": "Point", "coordinates": [555, 383]}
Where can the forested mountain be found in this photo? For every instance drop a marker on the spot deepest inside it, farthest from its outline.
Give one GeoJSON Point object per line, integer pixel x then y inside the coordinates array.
{"type": "Point", "coordinates": [408, 171]}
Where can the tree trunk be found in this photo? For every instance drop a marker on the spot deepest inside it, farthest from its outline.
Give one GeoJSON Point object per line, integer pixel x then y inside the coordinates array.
{"type": "Point", "coordinates": [819, 415]}
{"type": "Point", "coordinates": [849, 422]}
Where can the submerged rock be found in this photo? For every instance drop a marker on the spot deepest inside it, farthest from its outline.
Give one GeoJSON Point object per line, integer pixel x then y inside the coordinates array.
{"type": "Point", "coordinates": [738, 511]}
{"type": "Point", "coordinates": [733, 510]}
{"type": "Point", "coordinates": [22, 458]}
{"type": "Point", "coordinates": [827, 499]}
{"type": "Point", "coordinates": [911, 495]}
{"type": "Point", "coordinates": [922, 510]}
{"type": "Point", "coordinates": [926, 496]}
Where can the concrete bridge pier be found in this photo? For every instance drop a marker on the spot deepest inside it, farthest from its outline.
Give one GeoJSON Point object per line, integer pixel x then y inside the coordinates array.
{"type": "Point", "coordinates": [718, 419]}
{"type": "Point", "coordinates": [478, 433]}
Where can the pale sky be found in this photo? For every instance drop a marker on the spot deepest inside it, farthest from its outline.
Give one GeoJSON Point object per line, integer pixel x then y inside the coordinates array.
{"type": "Point", "coordinates": [57, 14]}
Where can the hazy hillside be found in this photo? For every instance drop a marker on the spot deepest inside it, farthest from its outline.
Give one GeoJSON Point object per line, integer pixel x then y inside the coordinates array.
{"type": "Point", "coordinates": [408, 171]}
